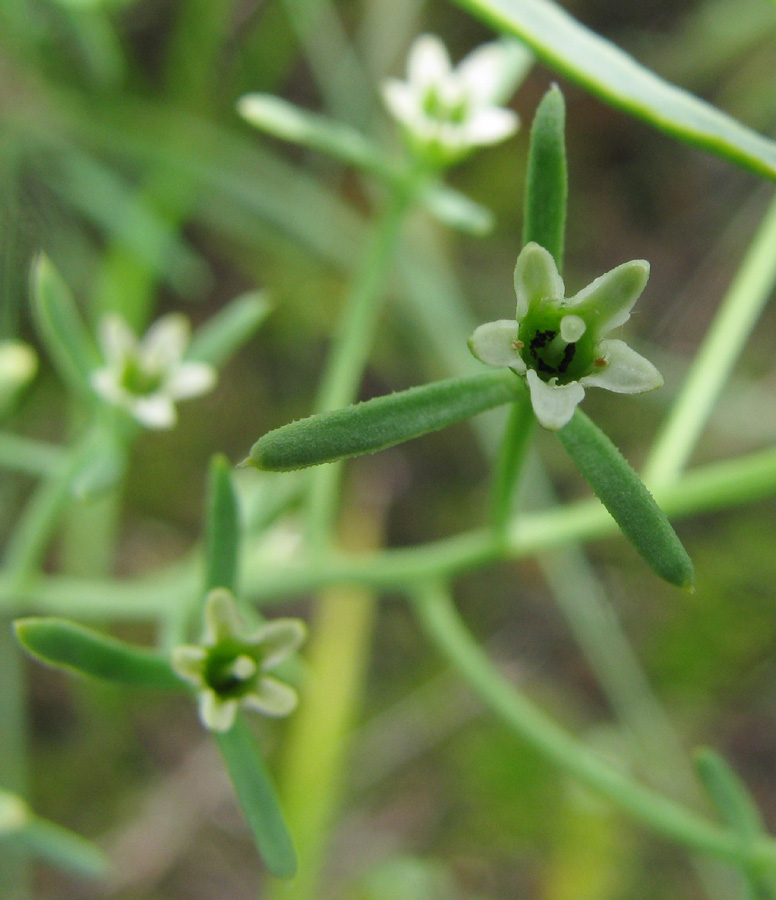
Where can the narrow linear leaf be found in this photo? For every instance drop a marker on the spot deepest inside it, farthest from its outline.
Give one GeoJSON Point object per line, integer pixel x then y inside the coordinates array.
{"type": "Point", "coordinates": [64, 848]}
{"type": "Point", "coordinates": [728, 793]}
{"type": "Point", "coordinates": [258, 799]}
{"type": "Point", "coordinates": [223, 527]}
{"type": "Point", "coordinates": [223, 335]}
{"type": "Point", "coordinates": [456, 210]}
{"type": "Point", "coordinates": [630, 504]}
{"type": "Point", "coordinates": [611, 74]}
{"type": "Point", "coordinates": [299, 126]}
{"type": "Point", "coordinates": [547, 177]}
{"type": "Point", "coordinates": [382, 422]}
{"type": "Point", "coordinates": [61, 328]}
{"type": "Point", "coordinates": [66, 645]}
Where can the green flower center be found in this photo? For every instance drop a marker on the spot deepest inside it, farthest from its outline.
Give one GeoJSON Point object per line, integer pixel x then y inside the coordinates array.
{"type": "Point", "coordinates": [230, 667]}
{"type": "Point", "coordinates": [138, 380]}
{"type": "Point", "coordinates": [435, 106]}
{"type": "Point", "coordinates": [556, 343]}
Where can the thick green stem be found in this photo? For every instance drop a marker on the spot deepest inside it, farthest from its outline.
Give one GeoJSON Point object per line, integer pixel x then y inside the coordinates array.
{"type": "Point", "coordinates": [445, 628]}
{"type": "Point", "coordinates": [713, 363]}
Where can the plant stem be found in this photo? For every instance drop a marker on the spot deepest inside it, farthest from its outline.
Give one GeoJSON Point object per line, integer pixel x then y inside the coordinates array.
{"type": "Point", "coordinates": [350, 352]}
{"type": "Point", "coordinates": [514, 446]}
{"type": "Point", "coordinates": [713, 363]}
{"type": "Point", "coordinates": [446, 630]}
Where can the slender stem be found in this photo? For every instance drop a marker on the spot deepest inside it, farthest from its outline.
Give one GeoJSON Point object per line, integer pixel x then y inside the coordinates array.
{"type": "Point", "coordinates": [446, 630]}
{"type": "Point", "coordinates": [349, 353]}
{"type": "Point", "coordinates": [514, 446]}
{"type": "Point", "coordinates": [712, 487]}
{"type": "Point", "coordinates": [713, 363]}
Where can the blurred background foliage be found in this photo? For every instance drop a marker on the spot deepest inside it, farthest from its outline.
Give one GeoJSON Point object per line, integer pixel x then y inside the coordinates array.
{"type": "Point", "coordinates": [122, 157]}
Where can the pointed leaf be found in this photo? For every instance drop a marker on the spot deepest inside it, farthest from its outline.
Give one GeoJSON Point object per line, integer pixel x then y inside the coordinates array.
{"type": "Point", "coordinates": [258, 799]}
{"type": "Point", "coordinates": [223, 334]}
{"type": "Point", "coordinates": [382, 422]}
{"type": "Point", "coordinates": [630, 504]}
{"type": "Point", "coordinates": [66, 645]}
{"type": "Point", "coordinates": [223, 528]}
{"type": "Point", "coordinates": [583, 57]}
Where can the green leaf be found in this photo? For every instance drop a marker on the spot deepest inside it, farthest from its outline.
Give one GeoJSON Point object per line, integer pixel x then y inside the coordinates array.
{"type": "Point", "coordinates": [61, 328]}
{"type": "Point", "coordinates": [611, 74]}
{"type": "Point", "coordinates": [382, 422]}
{"type": "Point", "coordinates": [728, 793]}
{"type": "Point", "coordinates": [224, 333]}
{"type": "Point", "coordinates": [66, 645]}
{"type": "Point", "coordinates": [258, 799]}
{"type": "Point", "coordinates": [299, 126]}
{"type": "Point", "coordinates": [101, 465]}
{"type": "Point", "coordinates": [223, 528]}
{"type": "Point", "coordinates": [630, 504]}
{"type": "Point", "coordinates": [64, 848]}
{"type": "Point", "coordinates": [547, 178]}
{"type": "Point", "coordinates": [456, 210]}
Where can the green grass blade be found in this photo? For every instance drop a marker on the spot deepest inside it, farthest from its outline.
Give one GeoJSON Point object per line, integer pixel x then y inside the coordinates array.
{"type": "Point", "coordinates": [258, 799]}
{"type": "Point", "coordinates": [382, 422]}
{"type": "Point", "coordinates": [61, 328]}
{"type": "Point", "coordinates": [66, 645]}
{"type": "Point", "coordinates": [225, 332]}
{"type": "Point", "coordinates": [547, 177]}
{"type": "Point", "coordinates": [223, 528]}
{"type": "Point", "coordinates": [630, 504]}
{"type": "Point", "coordinates": [611, 74]}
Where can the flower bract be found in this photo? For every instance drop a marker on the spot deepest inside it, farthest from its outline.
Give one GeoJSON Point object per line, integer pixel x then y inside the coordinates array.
{"type": "Point", "coordinates": [147, 376]}
{"type": "Point", "coordinates": [230, 669]}
{"type": "Point", "coordinates": [447, 111]}
{"type": "Point", "coordinates": [559, 344]}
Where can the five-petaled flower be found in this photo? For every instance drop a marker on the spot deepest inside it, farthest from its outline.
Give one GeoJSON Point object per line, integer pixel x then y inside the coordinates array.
{"type": "Point", "coordinates": [447, 111]}
{"type": "Point", "coordinates": [559, 343]}
{"type": "Point", "coordinates": [230, 669]}
{"type": "Point", "coordinates": [147, 376]}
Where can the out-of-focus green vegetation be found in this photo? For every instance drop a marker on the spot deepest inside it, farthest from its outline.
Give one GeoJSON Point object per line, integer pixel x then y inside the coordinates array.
{"type": "Point", "coordinates": [123, 159]}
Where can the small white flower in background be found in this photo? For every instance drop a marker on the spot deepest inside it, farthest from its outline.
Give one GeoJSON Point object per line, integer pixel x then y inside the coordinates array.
{"type": "Point", "coordinates": [447, 111]}
{"type": "Point", "coordinates": [147, 376]}
{"type": "Point", "coordinates": [18, 364]}
{"type": "Point", "coordinates": [230, 669]}
{"type": "Point", "coordinates": [558, 343]}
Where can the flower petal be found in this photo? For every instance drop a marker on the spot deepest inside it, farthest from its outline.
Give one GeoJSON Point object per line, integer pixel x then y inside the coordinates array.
{"type": "Point", "coordinates": [187, 662]}
{"type": "Point", "coordinates": [536, 278]}
{"type": "Point", "coordinates": [494, 344]}
{"type": "Point", "coordinates": [428, 62]}
{"type": "Point", "coordinates": [278, 639]}
{"type": "Point", "coordinates": [271, 697]}
{"type": "Point", "coordinates": [607, 302]}
{"type": "Point", "coordinates": [116, 339]}
{"type": "Point", "coordinates": [403, 102]}
{"type": "Point", "coordinates": [625, 372]}
{"type": "Point", "coordinates": [490, 125]}
{"type": "Point", "coordinates": [165, 341]}
{"type": "Point", "coordinates": [215, 713]}
{"type": "Point", "coordinates": [105, 383]}
{"type": "Point", "coordinates": [222, 621]}
{"type": "Point", "coordinates": [154, 411]}
{"type": "Point", "coordinates": [190, 379]}
{"type": "Point", "coordinates": [554, 404]}
{"type": "Point", "coordinates": [482, 73]}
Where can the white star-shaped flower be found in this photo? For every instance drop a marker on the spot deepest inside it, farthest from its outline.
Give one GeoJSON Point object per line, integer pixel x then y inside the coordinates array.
{"type": "Point", "coordinates": [229, 669]}
{"type": "Point", "coordinates": [558, 344]}
{"type": "Point", "coordinates": [447, 111]}
{"type": "Point", "coordinates": [147, 376]}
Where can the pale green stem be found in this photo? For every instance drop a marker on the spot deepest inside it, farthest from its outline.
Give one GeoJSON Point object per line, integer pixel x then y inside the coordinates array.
{"type": "Point", "coordinates": [32, 535]}
{"type": "Point", "coordinates": [713, 363]}
{"type": "Point", "coordinates": [28, 455]}
{"type": "Point", "coordinates": [445, 628]}
{"type": "Point", "coordinates": [14, 770]}
{"type": "Point", "coordinates": [517, 435]}
{"type": "Point", "coordinates": [712, 487]}
{"type": "Point", "coordinates": [349, 354]}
